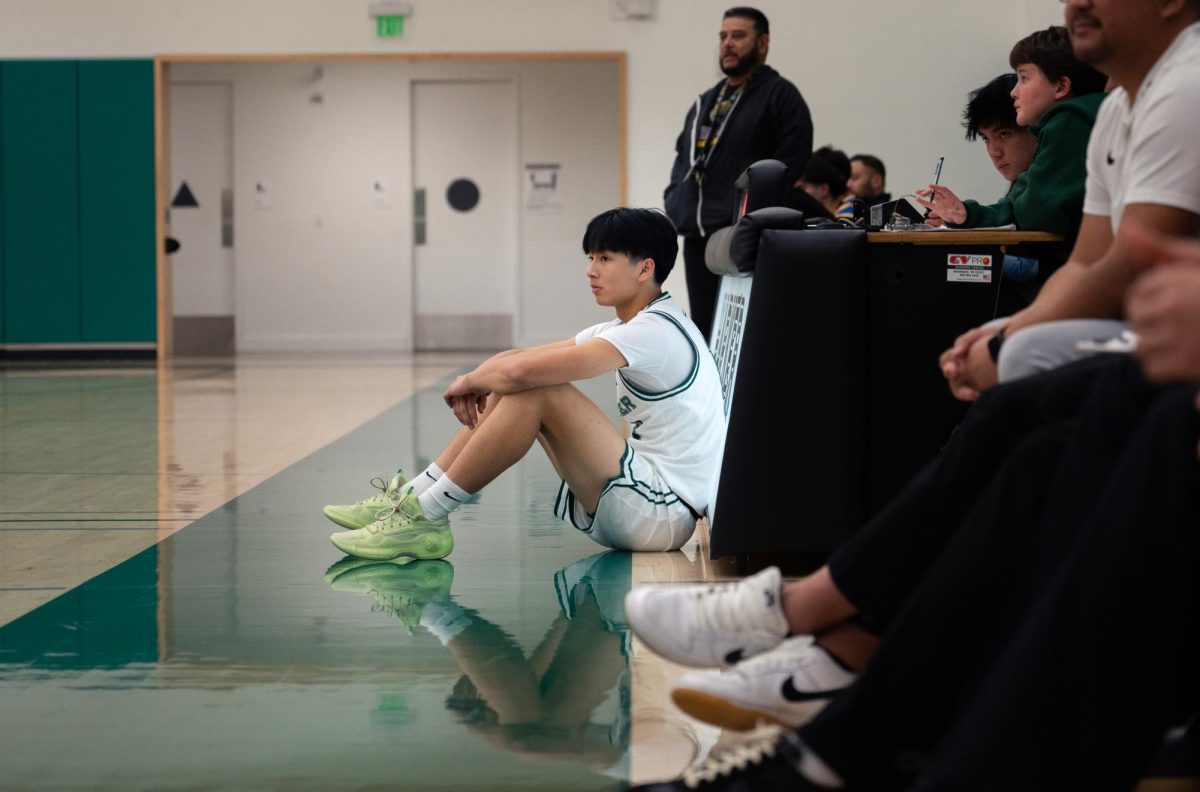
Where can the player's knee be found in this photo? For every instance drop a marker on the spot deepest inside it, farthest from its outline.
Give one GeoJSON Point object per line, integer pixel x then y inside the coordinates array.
{"type": "Point", "coordinates": [542, 393]}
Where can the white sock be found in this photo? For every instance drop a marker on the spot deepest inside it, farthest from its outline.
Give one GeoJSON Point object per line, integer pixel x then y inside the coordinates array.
{"type": "Point", "coordinates": [444, 620]}
{"type": "Point", "coordinates": [442, 498]}
{"type": "Point", "coordinates": [815, 770]}
{"type": "Point", "coordinates": [426, 478]}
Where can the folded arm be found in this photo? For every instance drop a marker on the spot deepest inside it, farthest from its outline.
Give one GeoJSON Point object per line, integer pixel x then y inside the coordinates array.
{"type": "Point", "coordinates": [522, 369]}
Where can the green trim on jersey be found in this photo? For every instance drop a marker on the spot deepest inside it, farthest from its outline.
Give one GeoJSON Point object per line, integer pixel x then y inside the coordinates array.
{"type": "Point", "coordinates": [564, 502]}
{"type": "Point", "coordinates": [639, 487]}
{"type": "Point", "coordinates": [680, 388]}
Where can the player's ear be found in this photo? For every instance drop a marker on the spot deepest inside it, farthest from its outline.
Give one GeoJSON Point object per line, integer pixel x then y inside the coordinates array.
{"type": "Point", "coordinates": [646, 270]}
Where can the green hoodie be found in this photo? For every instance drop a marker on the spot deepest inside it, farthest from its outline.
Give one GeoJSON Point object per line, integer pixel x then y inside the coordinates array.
{"type": "Point", "coordinates": [1048, 196]}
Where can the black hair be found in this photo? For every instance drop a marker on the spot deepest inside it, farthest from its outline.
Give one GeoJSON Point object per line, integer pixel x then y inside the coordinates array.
{"type": "Point", "coordinates": [828, 166]}
{"type": "Point", "coordinates": [872, 162]}
{"type": "Point", "coordinates": [637, 233]}
{"type": "Point", "coordinates": [991, 105]}
{"type": "Point", "coordinates": [761, 26]}
{"type": "Point", "coordinates": [1050, 50]}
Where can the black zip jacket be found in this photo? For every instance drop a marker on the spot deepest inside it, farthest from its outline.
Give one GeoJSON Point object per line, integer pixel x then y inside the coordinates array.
{"type": "Point", "coordinates": [769, 121]}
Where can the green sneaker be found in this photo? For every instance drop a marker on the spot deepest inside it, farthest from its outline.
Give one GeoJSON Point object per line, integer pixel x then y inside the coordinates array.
{"type": "Point", "coordinates": [350, 563]}
{"type": "Point", "coordinates": [400, 588]}
{"type": "Point", "coordinates": [402, 530]}
{"type": "Point", "coordinates": [361, 514]}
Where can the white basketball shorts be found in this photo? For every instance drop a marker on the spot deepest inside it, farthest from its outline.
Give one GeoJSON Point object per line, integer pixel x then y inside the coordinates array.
{"type": "Point", "coordinates": [637, 510]}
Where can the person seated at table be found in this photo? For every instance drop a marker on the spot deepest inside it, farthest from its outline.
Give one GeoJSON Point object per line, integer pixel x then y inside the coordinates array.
{"type": "Point", "coordinates": [1057, 97]}
{"type": "Point", "coordinates": [868, 179]}
{"type": "Point", "coordinates": [825, 178]}
{"type": "Point", "coordinates": [1142, 161]}
{"type": "Point", "coordinates": [991, 117]}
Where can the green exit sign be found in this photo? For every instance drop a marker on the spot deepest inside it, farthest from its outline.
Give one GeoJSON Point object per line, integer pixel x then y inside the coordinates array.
{"type": "Point", "coordinates": [389, 26]}
{"type": "Point", "coordinates": [389, 16]}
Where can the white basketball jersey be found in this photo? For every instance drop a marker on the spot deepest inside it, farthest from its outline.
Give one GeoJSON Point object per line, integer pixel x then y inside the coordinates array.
{"type": "Point", "coordinates": [670, 393]}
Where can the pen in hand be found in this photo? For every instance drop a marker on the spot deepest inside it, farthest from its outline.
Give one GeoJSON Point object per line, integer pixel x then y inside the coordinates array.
{"type": "Point", "coordinates": [937, 175]}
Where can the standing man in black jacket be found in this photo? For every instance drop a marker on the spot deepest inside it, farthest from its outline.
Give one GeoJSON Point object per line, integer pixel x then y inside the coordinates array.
{"type": "Point", "coordinates": [752, 114]}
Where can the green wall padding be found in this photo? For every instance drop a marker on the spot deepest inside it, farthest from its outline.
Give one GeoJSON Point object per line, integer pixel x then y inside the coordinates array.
{"type": "Point", "coordinates": [39, 126]}
{"type": "Point", "coordinates": [116, 207]}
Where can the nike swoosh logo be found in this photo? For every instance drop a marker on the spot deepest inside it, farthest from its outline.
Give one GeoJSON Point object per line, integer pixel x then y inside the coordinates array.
{"type": "Point", "coordinates": [791, 694]}
{"type": "Point", "coordinates": [451, 497]}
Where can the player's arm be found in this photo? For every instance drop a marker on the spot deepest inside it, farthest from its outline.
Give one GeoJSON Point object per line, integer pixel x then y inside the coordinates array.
{"type": "Point", "coordinates": [555, 365]}
{"type": "Point", "coordinates": [518, 350]}
{"type": "Point", "coordinates": [522, 369]}
{"type": "Point", "coordinates": [552, 364]}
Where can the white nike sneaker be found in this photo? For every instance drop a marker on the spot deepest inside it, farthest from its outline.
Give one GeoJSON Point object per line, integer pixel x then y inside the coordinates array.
{"type": "Point", "coordinates": [709, 625]}
{"type": "Point", "coordinates": [788, 685]}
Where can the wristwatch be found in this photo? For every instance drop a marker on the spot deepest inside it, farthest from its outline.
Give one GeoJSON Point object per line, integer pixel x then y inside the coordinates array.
{"type": "Point", "coordinates": [994, 344]}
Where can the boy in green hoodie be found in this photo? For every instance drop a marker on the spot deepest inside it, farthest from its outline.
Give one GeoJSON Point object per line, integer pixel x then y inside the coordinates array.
{"type": "Point", "coordinates": [1056, 97]}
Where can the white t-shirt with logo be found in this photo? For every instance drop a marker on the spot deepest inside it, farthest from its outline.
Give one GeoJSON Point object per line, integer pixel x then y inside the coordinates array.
{"type": "Point", "coordinates": [1150, 153]}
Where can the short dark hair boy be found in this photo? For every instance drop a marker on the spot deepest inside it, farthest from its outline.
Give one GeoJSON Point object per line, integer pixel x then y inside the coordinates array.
{"type": "Point", "coordinates": [637, 233]}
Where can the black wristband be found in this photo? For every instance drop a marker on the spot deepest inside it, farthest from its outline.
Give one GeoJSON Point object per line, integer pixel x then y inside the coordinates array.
{"type": "Point", "coordinates": [994, 344]}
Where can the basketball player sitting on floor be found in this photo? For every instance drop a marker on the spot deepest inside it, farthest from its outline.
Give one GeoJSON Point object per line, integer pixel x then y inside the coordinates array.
{"type": "Point", "coordinates": [641, 493]}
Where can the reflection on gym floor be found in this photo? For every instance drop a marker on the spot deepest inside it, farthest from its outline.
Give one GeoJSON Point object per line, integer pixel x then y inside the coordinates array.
{"type": "Point", "coordinates": [244, 652]}
{"type": "Point", "coordinates": [542, 706]}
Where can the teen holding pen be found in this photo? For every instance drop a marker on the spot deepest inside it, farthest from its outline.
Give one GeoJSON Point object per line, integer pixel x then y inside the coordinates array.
{"type": "Point", "coordinates": [1056, 97]}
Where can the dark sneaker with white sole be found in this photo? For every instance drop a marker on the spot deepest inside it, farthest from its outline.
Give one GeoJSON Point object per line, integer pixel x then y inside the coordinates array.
{"type": "Point", "coordinates": [767, 761]}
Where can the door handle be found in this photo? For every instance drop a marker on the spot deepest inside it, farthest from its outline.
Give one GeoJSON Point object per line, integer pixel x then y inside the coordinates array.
{"type": "Point", "coordinates": [419, 216]}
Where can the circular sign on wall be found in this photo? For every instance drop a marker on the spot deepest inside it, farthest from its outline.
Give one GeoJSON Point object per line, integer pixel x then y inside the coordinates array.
{"type": "Point", "coordinates": [462, 194]}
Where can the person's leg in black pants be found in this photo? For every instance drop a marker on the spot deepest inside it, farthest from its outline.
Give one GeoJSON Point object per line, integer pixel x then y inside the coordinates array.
{"type": "Point", "coordinates": [701, 283]}
{"type": "Point", "coordinates": [1110, 655]}
{"type": "Point", "coordinates": [877, 568]}
{"type": "Point", "coordinates": [965, 610]}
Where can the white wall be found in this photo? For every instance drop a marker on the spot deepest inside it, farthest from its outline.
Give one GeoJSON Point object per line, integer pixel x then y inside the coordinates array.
{"type": "Point", "coordinates": [887, 75]}
{"type": "Point", "coordinates": [324, 268]}
{"type": "Point", "coordinates": [201, 133]}
{"type": "Point", "coordinates": [883, 76]}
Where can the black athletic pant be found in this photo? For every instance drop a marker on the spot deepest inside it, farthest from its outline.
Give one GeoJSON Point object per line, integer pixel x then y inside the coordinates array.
{"type": "Point", "coordinates": [701, 283]}
{"type": "Point", "coordinates": [878, 567]}
{"type": "Point", "coordinates": [1055, 638]}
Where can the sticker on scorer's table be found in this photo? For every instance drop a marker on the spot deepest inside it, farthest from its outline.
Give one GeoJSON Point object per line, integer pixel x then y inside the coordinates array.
{"type": "Point", "coordinates": [968, 268]}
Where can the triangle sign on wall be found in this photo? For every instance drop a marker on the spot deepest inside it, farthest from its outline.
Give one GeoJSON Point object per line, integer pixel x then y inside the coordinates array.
{"type": "Point", "coordinates": [184, 198]}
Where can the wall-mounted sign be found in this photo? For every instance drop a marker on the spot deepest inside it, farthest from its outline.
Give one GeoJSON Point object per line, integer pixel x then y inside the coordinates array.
{"type": "Point", "coordinates": [541, 186]}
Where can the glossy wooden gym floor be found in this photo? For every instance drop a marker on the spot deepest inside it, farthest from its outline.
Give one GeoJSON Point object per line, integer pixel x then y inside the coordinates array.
{"type": "Point", "coordinates": [174, 616]}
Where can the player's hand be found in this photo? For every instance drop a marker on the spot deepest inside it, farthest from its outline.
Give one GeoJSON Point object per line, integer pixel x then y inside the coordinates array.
{"type": "Point", "coordinates": [942, 204]}
{"type": "Point", "coordinates": [465, 401]}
